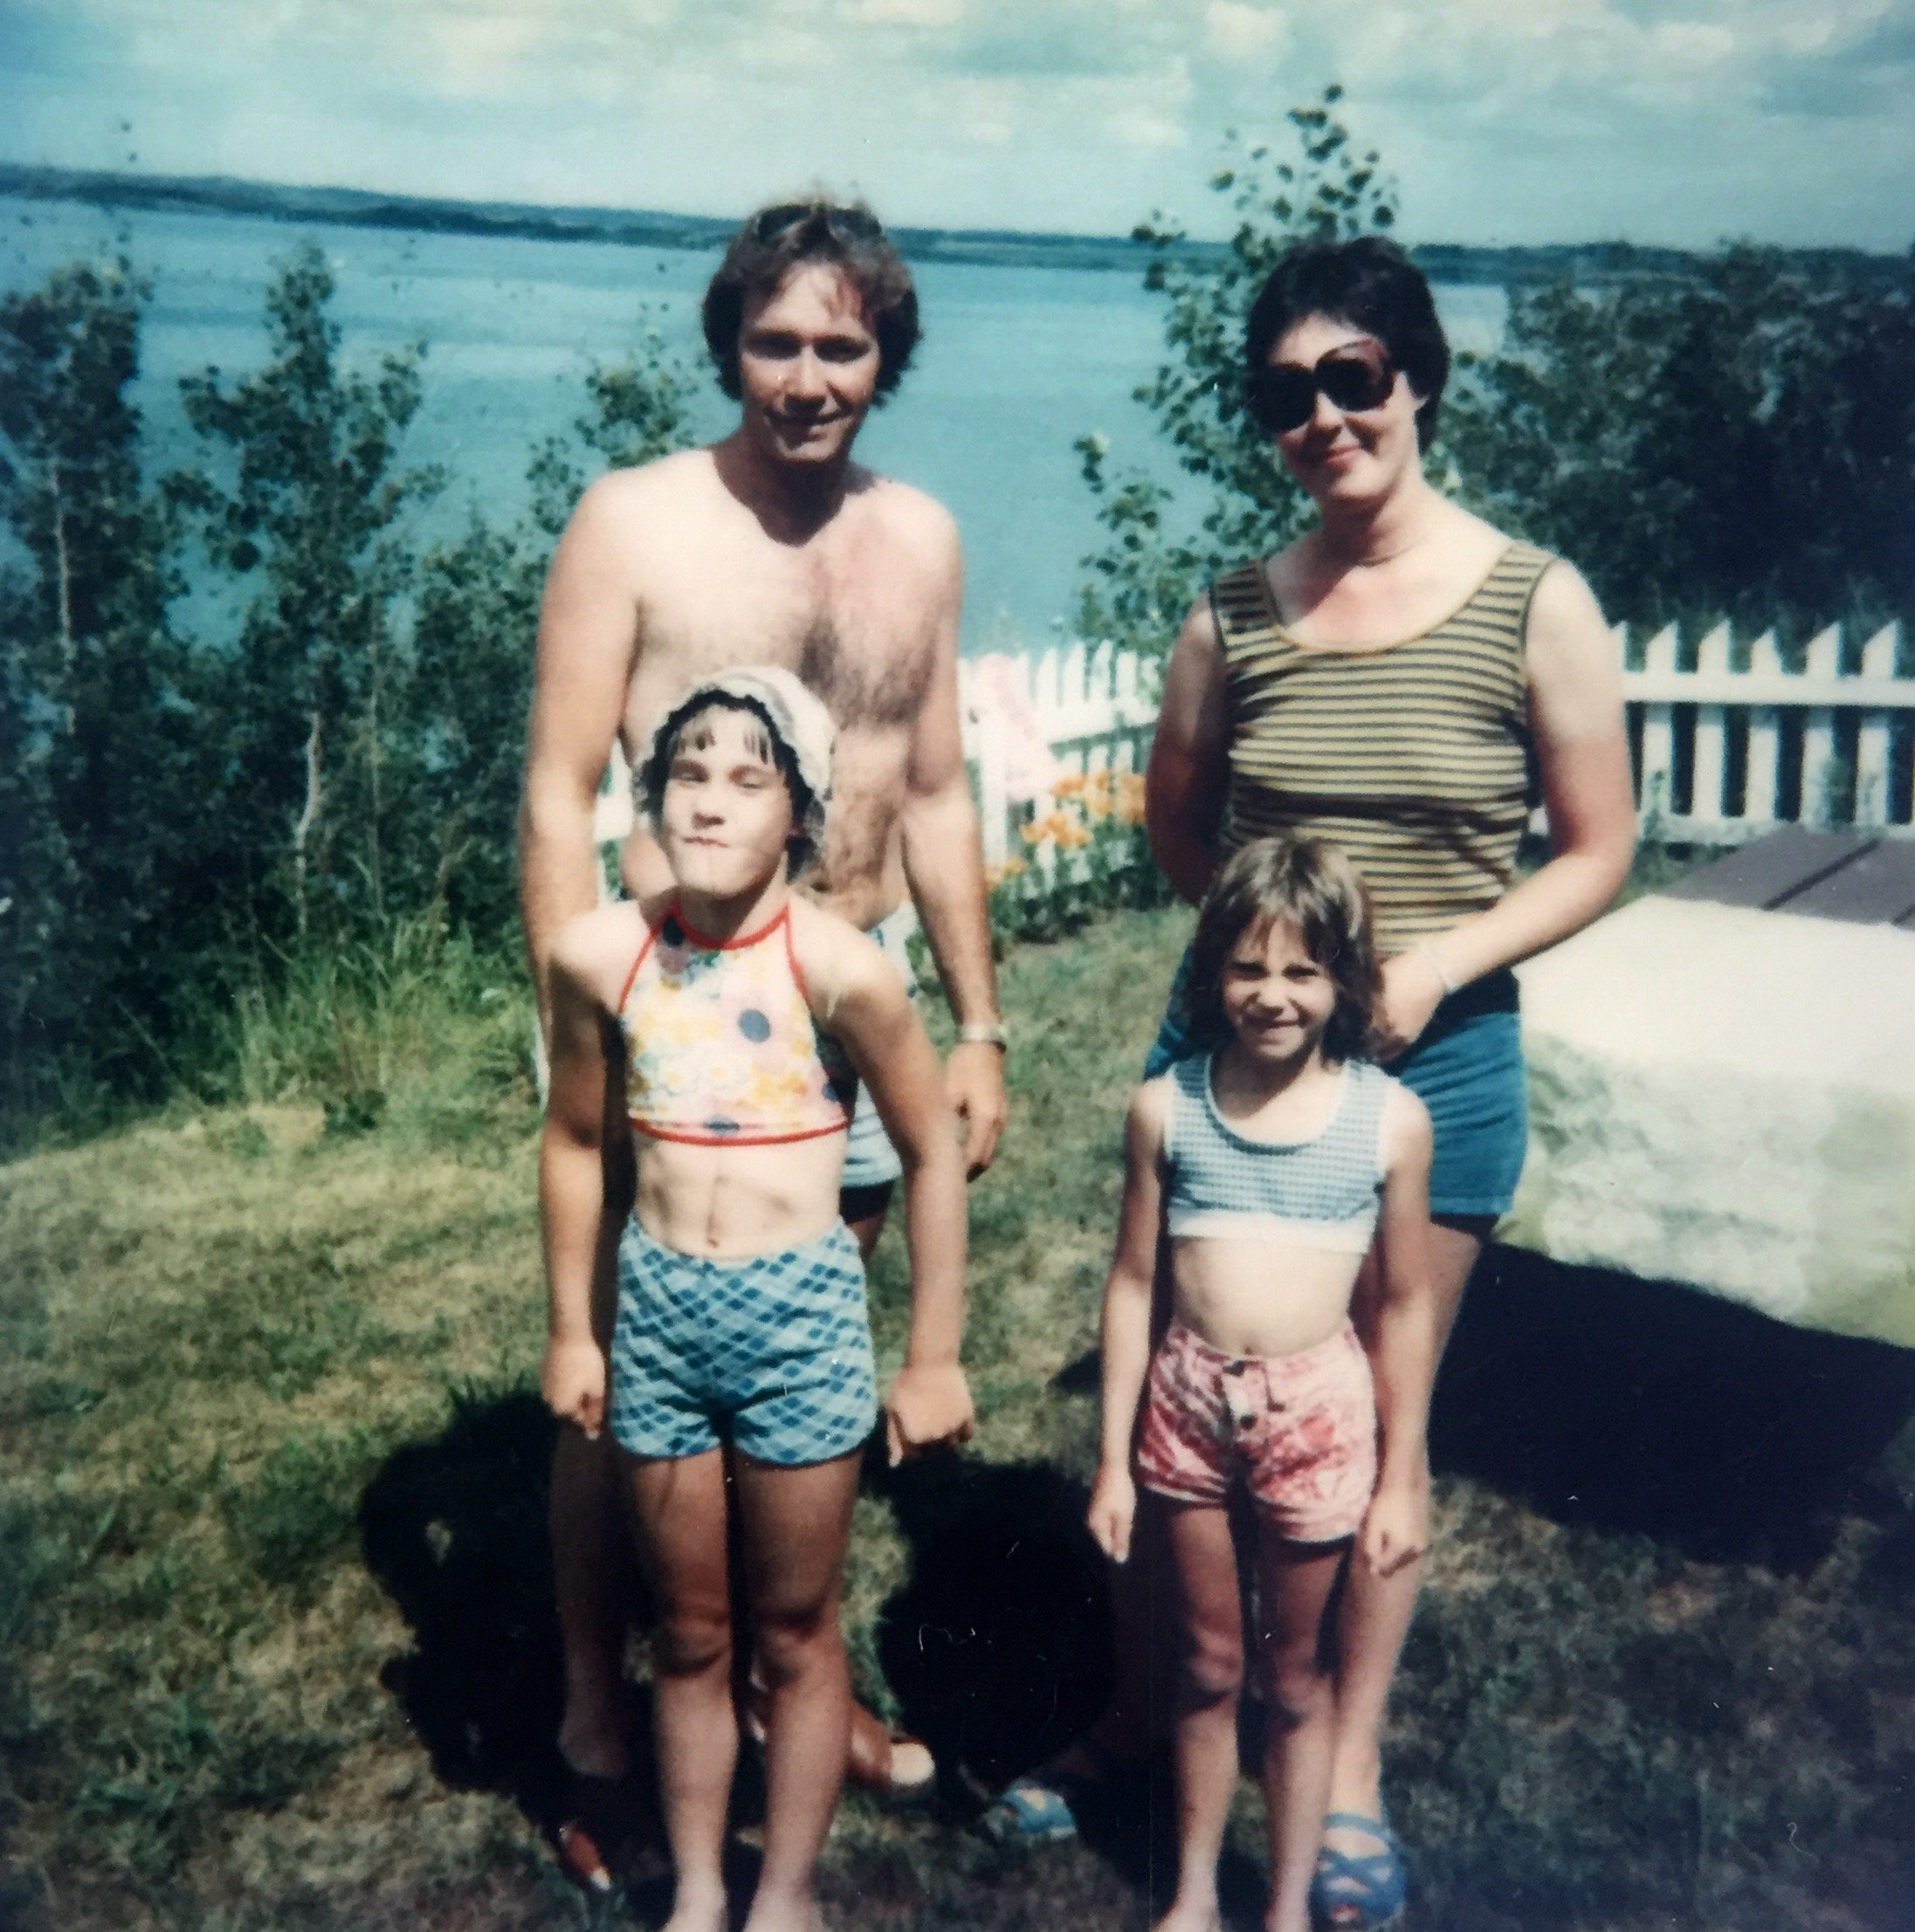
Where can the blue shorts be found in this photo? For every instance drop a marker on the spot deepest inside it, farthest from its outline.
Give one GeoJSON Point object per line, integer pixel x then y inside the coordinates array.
{"type": "Point", "coordinates": [771, 1354]}
{"type": "Point", "coordinates": [1466, 1067]}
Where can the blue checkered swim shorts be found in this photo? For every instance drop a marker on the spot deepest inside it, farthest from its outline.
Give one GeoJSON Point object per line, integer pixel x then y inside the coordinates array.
{"type": "Point", "coordinates": [771, 1354]}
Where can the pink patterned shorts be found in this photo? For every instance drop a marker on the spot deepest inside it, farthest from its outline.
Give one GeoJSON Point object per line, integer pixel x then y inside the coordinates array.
{"type": "Point", "coordinates": [1301, 1428]}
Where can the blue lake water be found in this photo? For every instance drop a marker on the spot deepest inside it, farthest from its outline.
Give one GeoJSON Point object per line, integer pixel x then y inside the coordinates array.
{"type": "Point", "coordinates": [1016, 363]}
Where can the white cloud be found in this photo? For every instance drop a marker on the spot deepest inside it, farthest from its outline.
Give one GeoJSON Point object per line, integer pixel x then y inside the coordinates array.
{"type": "Point", "coordinates": [1694, 42]}
{"type": "Point", "coordinates": [1241, 32]}
{"type": "Point", "coordinates": [906, 13]}
{"type": "Point", "coordinates": [1065, 112]}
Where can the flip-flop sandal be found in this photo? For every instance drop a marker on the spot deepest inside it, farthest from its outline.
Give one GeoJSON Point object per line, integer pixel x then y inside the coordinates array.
{"type": "Point", "coordinates": [1036, 1809]}
{"type": "Point", "coordinates": [1372, 1885]}
{"type": "Point", "coordinates": [873, 1755]}
{"type": "Point", "coordinates": [580, 1858]}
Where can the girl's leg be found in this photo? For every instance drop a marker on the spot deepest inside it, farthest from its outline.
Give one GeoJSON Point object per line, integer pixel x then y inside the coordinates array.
{"type": "Point", "coordinates": [1377, 1610]}
{"type": "Point", "coordinates": [1293, 1585]}
{"type": "Point", "coordinates": [681, 1538]}
{"type": "Point", "coordinates": [1210, 1677]}
{"type": "Point", "coordinates": [796, 1523]}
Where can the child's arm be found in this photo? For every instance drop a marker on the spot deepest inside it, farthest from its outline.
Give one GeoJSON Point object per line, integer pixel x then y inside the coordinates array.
{"type": "Point", "coordinates": [1126, 1320]}
{"type": "Point", "coordinates": [868, 1010]}
{"type": "Point", "coordinates": [572, 1197]}
{"type": "Point", "coordinates": [1403, 1354]}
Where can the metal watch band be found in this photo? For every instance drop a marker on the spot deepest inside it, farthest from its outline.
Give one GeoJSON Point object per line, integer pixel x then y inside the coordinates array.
{"type": "Point", "coordinates": [984, 1033]}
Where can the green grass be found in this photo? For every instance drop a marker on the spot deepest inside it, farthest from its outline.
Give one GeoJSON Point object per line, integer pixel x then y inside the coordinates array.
{"type": "Point", "coordinates": [275, 1639]}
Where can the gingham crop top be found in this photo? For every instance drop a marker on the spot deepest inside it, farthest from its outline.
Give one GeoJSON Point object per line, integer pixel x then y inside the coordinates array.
{"type": "Point", "coordinates": [722, 1047]}
{"type": "Point", "coordinates": [1320, 1193]}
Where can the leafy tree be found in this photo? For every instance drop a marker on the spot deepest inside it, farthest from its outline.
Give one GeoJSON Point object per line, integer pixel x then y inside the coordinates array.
{"type": "Point", "coordinates": [1739, 441]}
{"type": "Point", "coordinates": [635, 411]}
{"type": "Point", "coordinates": [311, 505]}
{"type": "Point", "coordinates": [477, 608]}
{"type": "Point", "coordinates": [1149, 568]}
{"type": "Point", "coordinates": [94, 721]}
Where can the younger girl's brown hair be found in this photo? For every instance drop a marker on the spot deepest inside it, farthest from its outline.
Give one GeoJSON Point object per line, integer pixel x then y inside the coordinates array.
{"type": "Point", "coordinates": [1305, 883]}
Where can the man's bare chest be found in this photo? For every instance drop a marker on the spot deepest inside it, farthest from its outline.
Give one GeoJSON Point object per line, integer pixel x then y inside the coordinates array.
{"type": "Point", "coordinates": [864, 645]}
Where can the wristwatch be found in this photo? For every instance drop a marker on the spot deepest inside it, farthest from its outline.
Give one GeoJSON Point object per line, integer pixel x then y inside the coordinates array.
{"type": "Point", "coordinates": [984, 1033]}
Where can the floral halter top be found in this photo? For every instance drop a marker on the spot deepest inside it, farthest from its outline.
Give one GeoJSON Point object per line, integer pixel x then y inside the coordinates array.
{"type": "Point", "coordinates": [721, 1048]}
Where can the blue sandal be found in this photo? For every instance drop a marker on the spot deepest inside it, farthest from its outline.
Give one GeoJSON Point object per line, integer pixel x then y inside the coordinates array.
{"type": "Point", "coordinates": [1373, 1884]}
{"type": "Point", "coordinates": [1036, 1809]}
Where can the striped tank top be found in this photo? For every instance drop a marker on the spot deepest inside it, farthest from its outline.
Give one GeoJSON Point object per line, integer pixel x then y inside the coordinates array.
{"type": "Point", "coordinates": [1320, 1193]}
{"type": "Point", "coordinates": [1413, 759]}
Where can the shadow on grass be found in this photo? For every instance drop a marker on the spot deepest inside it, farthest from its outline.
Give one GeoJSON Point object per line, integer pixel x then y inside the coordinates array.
{"type": "Point", "coordinates": [1651, 1408]}
{"type": "Point", "coordinates": [455, 1531]}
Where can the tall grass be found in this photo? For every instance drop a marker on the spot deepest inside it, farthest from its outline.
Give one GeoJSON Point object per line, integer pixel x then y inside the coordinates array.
{"type": "Point", "coordinates": [422, 1018]}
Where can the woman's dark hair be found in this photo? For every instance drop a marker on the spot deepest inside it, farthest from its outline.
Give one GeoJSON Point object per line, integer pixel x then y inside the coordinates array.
{"type": "Point", "coordinates": [649, 782]}
{"type": "Point", "coordinates": [1372, 285]}
{"type": "Point", "coordinates": [1307, 884]}
{"type": "Point", "coordinates": [776, 240]}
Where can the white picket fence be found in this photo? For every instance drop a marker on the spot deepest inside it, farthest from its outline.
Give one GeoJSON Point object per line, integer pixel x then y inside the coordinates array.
{"type": "Point", "coordinates": [1725, 753]}
{"type": "Point", "coordinates": [1724, 750]}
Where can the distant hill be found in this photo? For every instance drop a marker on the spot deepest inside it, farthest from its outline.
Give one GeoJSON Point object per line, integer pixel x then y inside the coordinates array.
{"type": "Point", "coordinates": [1447, 263]}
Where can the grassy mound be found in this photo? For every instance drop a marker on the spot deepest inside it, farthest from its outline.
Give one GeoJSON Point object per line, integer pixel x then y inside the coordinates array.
{"type": "Point", "coordinates": [277, 1645]}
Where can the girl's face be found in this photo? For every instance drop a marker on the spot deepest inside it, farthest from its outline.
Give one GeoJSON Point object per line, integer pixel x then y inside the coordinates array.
{"type": "Point", "coordinates": [1353, 456]}
{"type": "Point", "coordinates": [725, 820]}
{"type": "Point", "coordinates": [1276, 998]}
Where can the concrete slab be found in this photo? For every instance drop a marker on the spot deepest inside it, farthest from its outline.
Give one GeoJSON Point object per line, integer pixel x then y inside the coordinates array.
{"type": "Point", "coordinates": [1725, 1097]}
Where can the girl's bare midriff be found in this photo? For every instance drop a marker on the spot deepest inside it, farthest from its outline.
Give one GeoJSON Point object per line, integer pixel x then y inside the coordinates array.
{"type": "Point", "coordinates": [1250, 1295]}
{"type": "Point", "coordinates": [727, 1201]}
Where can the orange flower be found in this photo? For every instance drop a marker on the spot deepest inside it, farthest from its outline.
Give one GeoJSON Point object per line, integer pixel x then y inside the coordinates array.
{"type": "Point", "coordinates": [1070, 786]}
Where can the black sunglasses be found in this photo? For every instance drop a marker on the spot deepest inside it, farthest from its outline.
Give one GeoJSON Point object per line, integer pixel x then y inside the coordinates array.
{"type": "Point", "coordinates": [1283, 396]}
{"type": "Point", "coordinates": [852, 223]}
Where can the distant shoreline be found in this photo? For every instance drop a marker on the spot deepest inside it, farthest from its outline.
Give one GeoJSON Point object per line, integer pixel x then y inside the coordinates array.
{"type": "Point", "coordinates": [1448, 262]}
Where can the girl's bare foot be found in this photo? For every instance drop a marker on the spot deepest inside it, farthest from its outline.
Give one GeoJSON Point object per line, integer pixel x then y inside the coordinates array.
{"type": "Point", "coordinates": [784, 1915]}
{"type": "Point", "coordinates": [698, 1907]}
{"type": "Point", "coordinates": [1191, 1915]}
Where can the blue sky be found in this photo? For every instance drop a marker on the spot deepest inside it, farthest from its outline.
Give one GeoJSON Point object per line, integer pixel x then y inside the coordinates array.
{"type": "Point", "coordinates": [1516, 120]}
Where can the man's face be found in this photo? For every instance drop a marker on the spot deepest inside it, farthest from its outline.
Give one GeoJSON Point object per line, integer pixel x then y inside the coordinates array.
{"type": "Point", "coordinates": [807, 366]}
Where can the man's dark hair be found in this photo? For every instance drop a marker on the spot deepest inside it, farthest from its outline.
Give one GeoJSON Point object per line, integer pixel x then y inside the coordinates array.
{"type": "Point", "coordinates": [776, 240]}
{"type": "Point", "coordinates": [1370, 284]}
{"type": "Point", "coordinates": [1307, 884]}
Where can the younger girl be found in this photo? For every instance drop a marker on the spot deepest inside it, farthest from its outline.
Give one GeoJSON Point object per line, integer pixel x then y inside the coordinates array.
{"type": "Point", "coordinates": [732, 1022]}
{"type": "Point", "coordinates": [1270, 1163]}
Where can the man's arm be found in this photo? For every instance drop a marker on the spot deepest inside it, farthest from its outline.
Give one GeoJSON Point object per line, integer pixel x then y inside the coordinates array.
{"type": "Point", "coordinates": [944, 866]}
{"type": "Point", "coordinates": [587, 634]}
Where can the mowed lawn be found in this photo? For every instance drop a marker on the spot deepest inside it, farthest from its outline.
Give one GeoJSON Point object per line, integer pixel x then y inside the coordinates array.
{"type": "Point", "coordinates": [275, 1595]}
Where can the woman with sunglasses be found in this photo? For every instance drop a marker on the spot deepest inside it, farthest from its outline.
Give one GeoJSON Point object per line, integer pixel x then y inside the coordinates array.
{"type": "Point", "coordinates": [1388, 681]}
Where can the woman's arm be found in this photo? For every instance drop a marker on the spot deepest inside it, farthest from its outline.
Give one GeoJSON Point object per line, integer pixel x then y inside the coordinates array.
{"type": "Point", "coordinates": [573, 1208]}
{"type": "Point", "coordinates": [1403, 1354]}
{"type": "Point", "coordinates": [1126, 1320]}
{"type": "Point", "coordinates": [1184, 783]}
{"type": "Point", "coordinates": [1575, 710]}
{"type": "Point", "coordinates": [867, 1009]}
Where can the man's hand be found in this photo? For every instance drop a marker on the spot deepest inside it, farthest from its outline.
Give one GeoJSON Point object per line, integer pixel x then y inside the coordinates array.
{"type": "Point", "coordinates": [1412, 991]}
{"type": "Point", "coordinates": [1396, 1528]}
{"type": "Point", "coordinates": [1113, 1510]}
{"type": "Point", "coordinates": [573, 1384]}
{"type": "Point", "coordinates": [927, 1406]}
{"type": "Point", "coordinates": [974, 1083]}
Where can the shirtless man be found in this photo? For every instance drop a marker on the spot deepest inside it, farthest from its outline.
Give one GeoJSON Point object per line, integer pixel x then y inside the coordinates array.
{"type": "Point", "coordinates": [771, 546]}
